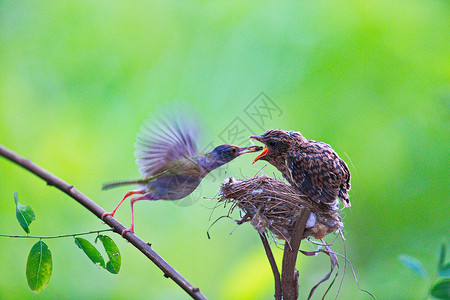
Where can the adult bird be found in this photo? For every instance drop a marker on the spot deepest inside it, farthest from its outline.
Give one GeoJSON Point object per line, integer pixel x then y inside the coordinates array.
{"type": "Point", "coordinates": [311, 166]}
{"type": "Point", "coordinates": [169, 162]}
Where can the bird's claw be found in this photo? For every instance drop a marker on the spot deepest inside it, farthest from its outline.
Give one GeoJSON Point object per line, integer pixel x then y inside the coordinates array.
{"type": "Point", "coordinates": [107, 214]}
{"type": "Point", "coordinates": [127, 230]}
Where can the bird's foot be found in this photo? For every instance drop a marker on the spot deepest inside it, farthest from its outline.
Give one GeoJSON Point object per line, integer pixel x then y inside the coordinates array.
{"type": "Point", "coordinates": [131, 229]}
{"type": "Point", "coordinates": [108, 214]}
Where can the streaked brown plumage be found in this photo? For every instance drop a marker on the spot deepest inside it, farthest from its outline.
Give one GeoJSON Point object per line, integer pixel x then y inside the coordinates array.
{"type": "Point", "coordinates": [312, 166]}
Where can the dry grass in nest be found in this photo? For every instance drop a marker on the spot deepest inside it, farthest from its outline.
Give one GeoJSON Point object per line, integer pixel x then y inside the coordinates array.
{"type": "Point", "coordinates": [275, 205]}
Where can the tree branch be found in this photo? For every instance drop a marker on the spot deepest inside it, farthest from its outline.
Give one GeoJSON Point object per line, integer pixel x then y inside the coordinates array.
{"type": "Point", "coordinates": [289, 277]}
{"type": "Point", "coordinates": [273, 265]}
{"type": "Point", "coordinates": [70, 190]}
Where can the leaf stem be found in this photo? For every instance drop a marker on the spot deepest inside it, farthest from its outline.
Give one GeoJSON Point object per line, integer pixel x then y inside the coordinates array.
{"type": "Point", "coordinates": [54, 236]}
{"type": "Point", "coordinates": [273, 265]}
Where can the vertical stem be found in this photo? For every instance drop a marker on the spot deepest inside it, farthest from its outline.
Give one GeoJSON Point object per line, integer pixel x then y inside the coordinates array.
{"type": "Point", "coordinates": [289, 277]}
{"type": "Point", "coordinates": [273, 265]}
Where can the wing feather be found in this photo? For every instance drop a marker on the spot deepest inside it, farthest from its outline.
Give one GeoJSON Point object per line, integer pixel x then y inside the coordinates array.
{"type": "Point", "coordinates": [165, 139]}
{"type": "Point", "coordinates": [314, 174]}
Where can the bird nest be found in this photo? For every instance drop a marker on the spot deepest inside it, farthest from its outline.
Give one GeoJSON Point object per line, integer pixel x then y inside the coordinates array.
{"type": "Point", "coordinates": [274, 205]}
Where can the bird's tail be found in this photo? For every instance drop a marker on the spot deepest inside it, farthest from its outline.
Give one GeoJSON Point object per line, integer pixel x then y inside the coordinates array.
{"type": "Point", "coordinates": [346, 202]}
{"type": "Point", "coordinates": [343, 195]}
{"type": "Point", "coordinates": [120, 183]}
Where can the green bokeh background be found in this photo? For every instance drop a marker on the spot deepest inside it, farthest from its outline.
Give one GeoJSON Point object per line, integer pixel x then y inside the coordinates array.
{"type": "Point", "coordinates": [371, 78]}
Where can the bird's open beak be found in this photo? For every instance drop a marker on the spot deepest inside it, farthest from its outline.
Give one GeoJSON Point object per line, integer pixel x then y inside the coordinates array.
{"type": "Point", "coordinates": [265, 151]}
{"type": "Point", "coordinates": [250, 149]}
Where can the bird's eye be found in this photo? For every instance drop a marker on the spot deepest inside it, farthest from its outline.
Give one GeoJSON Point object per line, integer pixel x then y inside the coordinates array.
{"type": "Point", "coordinates": [233, 150]}
{"type": "Point", "coordinates": [272, 143]}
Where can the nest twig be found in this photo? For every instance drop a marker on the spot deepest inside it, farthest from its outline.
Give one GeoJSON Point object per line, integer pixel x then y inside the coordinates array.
{"type": "Point", "coordinates": [274, 205]}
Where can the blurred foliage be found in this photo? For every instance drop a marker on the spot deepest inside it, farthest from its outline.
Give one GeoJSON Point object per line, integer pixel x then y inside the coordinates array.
{"type": "Point", "coordinates": [371, 78]}
{"type": "Point", "coordinates": [438, 281]}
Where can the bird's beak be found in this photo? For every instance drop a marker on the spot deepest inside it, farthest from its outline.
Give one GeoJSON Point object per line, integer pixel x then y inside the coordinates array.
{"type": "Point", "coordinates": [256, 137]}
{"type": "Point", "coordinates": [250, 149]}
{"type": "Point", "coordinates": [265, 151]}
{"type": "Point", "coordinates": [261, 154]}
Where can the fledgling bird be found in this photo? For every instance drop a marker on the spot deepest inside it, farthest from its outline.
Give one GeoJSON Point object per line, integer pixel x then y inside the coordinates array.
{"type": "Point", "coordinates": [311, 166]}
{"type": "Point", "coordinates": [170, 163]}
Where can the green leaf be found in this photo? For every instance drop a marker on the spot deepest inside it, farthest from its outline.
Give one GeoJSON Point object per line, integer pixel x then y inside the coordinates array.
{"type": "Point", "coordinates": [24, 214]}
{"type": "Point", "coordinates": [39, 267]}
{"type": "Point", "coordinates": [113, 253]}
{"type": "Point", "coordinates": [441, 289]}
{"type": "Point", "coordinates": [444, 271]}
{"type": "Point", "coordinates": [413, 265]}
{"type": "Point", "coordinates": [91, 252]}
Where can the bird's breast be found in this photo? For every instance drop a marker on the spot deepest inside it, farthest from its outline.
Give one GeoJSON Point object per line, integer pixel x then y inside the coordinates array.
{"type": "Point", "coordinates": [174, 186]}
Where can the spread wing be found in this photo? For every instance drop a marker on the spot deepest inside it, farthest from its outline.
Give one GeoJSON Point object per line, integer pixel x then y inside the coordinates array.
{"type": "Point", "coordinates": [316, 172]}
{"type": "Point", "coordinates": [164, 140]}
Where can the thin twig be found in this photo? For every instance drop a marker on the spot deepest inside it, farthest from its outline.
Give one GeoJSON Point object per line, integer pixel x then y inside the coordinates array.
{"type": "Point", "coordinates": [54, 236]}
{"type": "Point", "coordinates": [273, 265]}
{"type": "Point", "coordinates": [70, 190]}
{"type": "Point", "coordinates": [289, 277]}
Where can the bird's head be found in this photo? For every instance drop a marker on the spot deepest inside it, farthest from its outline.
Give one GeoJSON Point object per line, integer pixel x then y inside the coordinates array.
{"type": "Point", "coordinates": [226, 153]}
{"type": "Point", "coordinates": [276, 143]}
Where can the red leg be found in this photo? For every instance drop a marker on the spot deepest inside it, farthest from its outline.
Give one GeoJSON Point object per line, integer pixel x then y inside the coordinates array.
{"type": "Point", "coordinates": [126, 196]}
{"type": "Point", "coordinates": [134, 199]}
